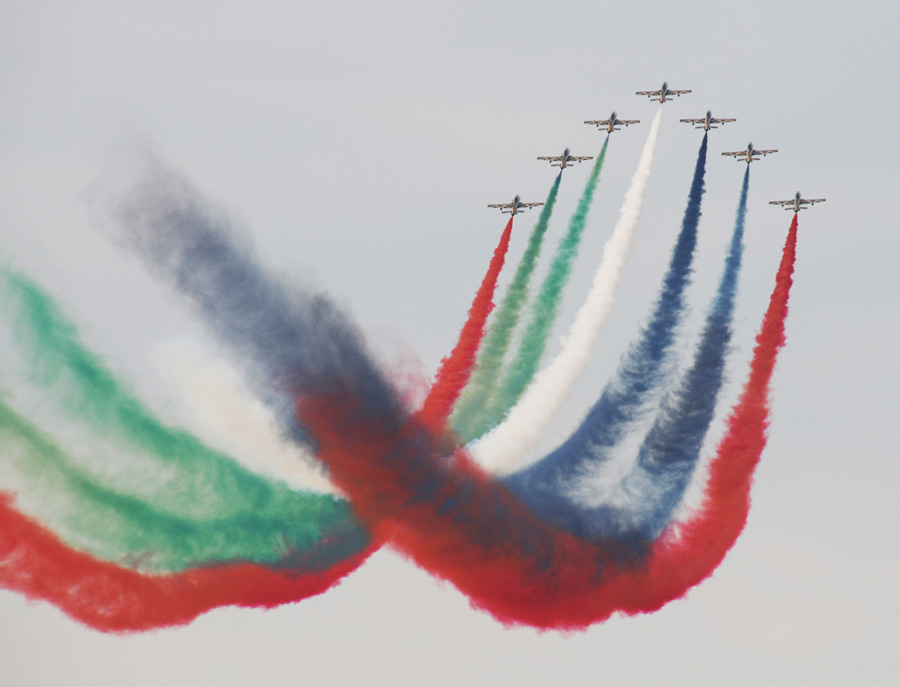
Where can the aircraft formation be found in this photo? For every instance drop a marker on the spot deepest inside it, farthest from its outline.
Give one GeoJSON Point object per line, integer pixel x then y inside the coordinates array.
{"type": "Point", "coordinates": [662, 95]}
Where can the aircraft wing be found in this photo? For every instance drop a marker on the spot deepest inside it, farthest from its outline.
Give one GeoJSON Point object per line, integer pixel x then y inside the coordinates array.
{"type": "Point", "coordinates": [764, 152]}
{"type": "Point", "coordinates": [579, 159]}
{"type": "Point", "coordinates": [626, 122]}
{"type": "Point", "coordinates": [529, 205]}
{"type": "Point", "coordinates": [736, 153]}
{"type": "Point", "coordinates": [813, 201]}
{"type": "Point", "coordinates": [781, 202]}
{"type": "Point", "coordinates": [671, 92]}
{"type": "Point", "coordinates": [650, 93]}
{"type": "Point", "coordinates": [696, 121]}
{"type": "Point", "coordinates": [500, 205]}
{"type": "Point", "coordinates": [552, 159]}
{"type": "Point", "coordinates": [599, 122]}
{"type": "Point", "coordinates": [721, 121]}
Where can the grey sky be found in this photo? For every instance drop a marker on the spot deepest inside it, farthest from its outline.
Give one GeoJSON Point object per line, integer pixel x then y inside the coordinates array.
{"type": "Point", "coordinates": [359, 143]}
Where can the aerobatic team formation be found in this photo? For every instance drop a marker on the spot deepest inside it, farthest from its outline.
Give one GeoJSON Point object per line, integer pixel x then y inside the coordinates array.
{"type": "Point", "coordinates": [127, 523]}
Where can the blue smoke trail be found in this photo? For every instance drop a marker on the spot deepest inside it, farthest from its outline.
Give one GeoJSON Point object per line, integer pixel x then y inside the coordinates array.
{"type": "Point", "coordinates": [628, 396]}
{"type": "Point", "coordinates": [288, 342]}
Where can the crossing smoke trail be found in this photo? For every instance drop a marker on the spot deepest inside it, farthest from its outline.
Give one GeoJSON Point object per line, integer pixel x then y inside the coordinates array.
{"type": "Point", "coordinates": [461, 525]}
{"type": "Point", "coordinates": [456, 368]}
{"type": "Point", "coordinates": [111, 598]}
{"type": "Point", "coordinates": [643, 502]}
{"type": "Point", "coordinates": [468, 413]}
{"type": "Point", "coordinates": [505, 448]}
{"type": "Point", "coordinates": [156, 495]}
{"type": "Point", "coordinates": [544, 310]}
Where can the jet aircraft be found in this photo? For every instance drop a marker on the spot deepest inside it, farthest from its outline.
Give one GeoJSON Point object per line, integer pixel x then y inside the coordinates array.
{"type": "Point", "coordinates": [612, 124]}
{"type": "Point", "coordinates": [796, 203]}
{"type": "Point", "coordinates": [564, 160]}
{"type": "Point", "coordinates": [749, 155]}
{"type": "Point", "coordinates": [515, 207]}
{"type": "Point", "coordinates": [662, 94]}
{"type": "Point", "coordinates": [707, 122]}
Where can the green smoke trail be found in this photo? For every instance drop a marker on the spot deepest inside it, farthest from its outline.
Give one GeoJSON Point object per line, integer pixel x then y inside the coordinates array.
{"type": "Point", "coordinates": [468, 417]}
{"type": "Point", "coordinates": [191, 505]}
{"type": "Point", "coordinates": [544, 309]}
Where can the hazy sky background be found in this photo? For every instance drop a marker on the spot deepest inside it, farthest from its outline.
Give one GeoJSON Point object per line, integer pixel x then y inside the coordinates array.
{"type": "Point", "coordinates": [358, 143]}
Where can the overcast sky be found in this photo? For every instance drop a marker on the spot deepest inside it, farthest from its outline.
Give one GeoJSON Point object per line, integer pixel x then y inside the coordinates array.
{"type": "Point", "coordinates": [358, 144]}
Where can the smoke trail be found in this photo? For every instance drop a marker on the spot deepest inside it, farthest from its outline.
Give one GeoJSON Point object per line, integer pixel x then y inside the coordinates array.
{"type": "Point", "coordinates": [111, 598]}
{"type": "Point", "coordinates": [287, 341]}
{"type": "Point", "coordinates": [506, 447]}
{"type": "Point", "coordinates": [456, 368]}
{"type": "Point", "coordinates": [164, 498]}
{"type": "Point", "coordinates": [469, 413]}
{"type": "Point", "coordinates": [458, 523]}
{"type": "Point", "coordinates": [211, 397]}
{"type": "Point", "coordinates": [544, 310]}
{"type": "Point", "coordinates": [118, 527]}
{"type": "Point", "coordinates": [642, 374]}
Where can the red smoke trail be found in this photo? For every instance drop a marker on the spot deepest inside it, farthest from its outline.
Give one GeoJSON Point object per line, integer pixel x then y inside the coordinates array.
{"type": "Point", "coordinates": [454, 520]}
{"type": "Point", "coordinates": [110, 598]}
{"type": "Point", "coordinates": [456, 368]}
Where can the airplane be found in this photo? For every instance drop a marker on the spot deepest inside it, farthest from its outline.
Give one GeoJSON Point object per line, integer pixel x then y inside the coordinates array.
{"type": "Point", "coordinates": [612, 123]}
{"type": "Point", "coordinates": [662, 94]}
{"type": "Point", "coordinates": [564, 160]}
{"type": "Point", "coordinates": [515, 207]}
{"type": "Point", "coordinates": [707, 122]}
{"type": "Point", "coordinates": [796, 203]}
{"type": "Point", "coordinates": [749, 155]}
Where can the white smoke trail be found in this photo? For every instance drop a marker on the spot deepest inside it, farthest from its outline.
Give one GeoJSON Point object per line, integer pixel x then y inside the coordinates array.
{"type": "Point", "coordinates": [226, 414]}
{"type": "Point", "coordinates": [507, 447]}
